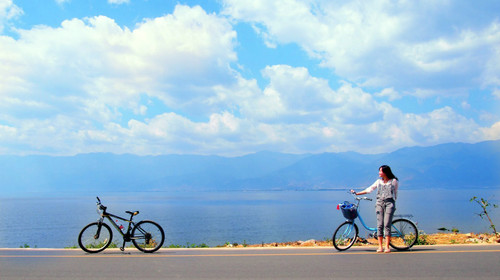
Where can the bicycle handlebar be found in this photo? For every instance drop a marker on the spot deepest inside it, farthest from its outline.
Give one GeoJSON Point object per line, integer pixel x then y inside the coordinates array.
{"type": "Point", "coordinates": [364, 197]}
{"type": "Point", "coordinates": [353, 193]}
{"type": "Point", "coordinates": [102, 207]}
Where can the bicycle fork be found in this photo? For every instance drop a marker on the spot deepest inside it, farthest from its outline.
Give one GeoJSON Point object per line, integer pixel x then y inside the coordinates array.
{"type": "Point", "coordinates": [99, 226]}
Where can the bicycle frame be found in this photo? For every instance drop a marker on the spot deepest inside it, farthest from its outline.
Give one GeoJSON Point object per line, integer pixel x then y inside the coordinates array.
{"type": "Point", "coordinates": [372, 229]}
{"type": "Point", "coordinates": [104, 214]}
{"type": "Point", "coordinates": [110, 217]}
{"type": "Point", "coordinates": [364, 225]}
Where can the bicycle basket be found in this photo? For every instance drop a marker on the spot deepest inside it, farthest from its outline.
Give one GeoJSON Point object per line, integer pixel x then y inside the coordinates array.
{"type": "Point", "coordinates": [349, 210]}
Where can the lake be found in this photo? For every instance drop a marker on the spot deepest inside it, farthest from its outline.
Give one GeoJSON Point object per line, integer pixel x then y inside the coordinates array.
{"type": "Point", "coordinates": [214, 218]}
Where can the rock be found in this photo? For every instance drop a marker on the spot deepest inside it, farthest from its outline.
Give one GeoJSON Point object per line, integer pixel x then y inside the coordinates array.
{"type": "Point", "coordinates": [310, 242]}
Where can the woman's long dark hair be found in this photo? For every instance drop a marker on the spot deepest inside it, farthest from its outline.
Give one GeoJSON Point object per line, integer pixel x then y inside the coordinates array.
{"type": "Point", "coordinates": [388, 172]}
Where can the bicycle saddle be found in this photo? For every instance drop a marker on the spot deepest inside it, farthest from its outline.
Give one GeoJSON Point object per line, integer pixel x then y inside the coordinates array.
{"type": "Point", "coordinates": [132, 213]}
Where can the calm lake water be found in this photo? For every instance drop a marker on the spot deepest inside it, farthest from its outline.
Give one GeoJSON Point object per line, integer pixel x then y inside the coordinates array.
{"type": "Point", "coordinates": [215, 218]}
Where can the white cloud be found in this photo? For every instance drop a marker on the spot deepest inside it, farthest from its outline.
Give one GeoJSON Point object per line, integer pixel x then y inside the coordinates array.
{"type": "Point", "coordinates": [348, 119]}
{"type": "Point", "coordinates": [60, 2]}
{"type": "Point", "coordinates": [400, 44]}
{"type": "Point", "coordinates": [352, 121]}
{"type": "Point", "coordinates": [118, 2]}
{"type": "Point", "coordinates": [493, 132]}
{"type": "Point", "coordinates": [8, 11]}
{"type": "Point", "coordinates": [97, 59]}
{"type": "Point", "coordinates": [96, 71]}
{"type": "Point", "coordinates": [496, 93]}
{"type": "Point", "coordinates": [88, 86]}
{"type": "Point", "coordinates": [389, 93]}
{"type": "Point", "coordinates": [491, 73]}
{"type": "Point", "coordinates": [293, 93]}
{"type": "Point", "coordinates": [468, 57]}
{"type": "Point", "coordinates": [441, 125]}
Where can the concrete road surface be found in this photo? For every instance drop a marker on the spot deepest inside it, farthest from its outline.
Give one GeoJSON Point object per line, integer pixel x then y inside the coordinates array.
{"type": "Point", "coordinates": [423, 262]}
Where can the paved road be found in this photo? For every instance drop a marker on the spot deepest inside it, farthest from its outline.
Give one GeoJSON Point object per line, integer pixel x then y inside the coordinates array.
{"type": "Point", "coordinates": [424, 262]}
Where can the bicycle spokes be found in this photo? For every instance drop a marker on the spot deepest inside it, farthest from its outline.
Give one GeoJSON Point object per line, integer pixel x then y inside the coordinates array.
{"type": "Point", "coordinates": [404, 234]}
{"type": "Point", "coordinates": [148, 236]}
{"type": "Point", "coordinates": [345, 236]}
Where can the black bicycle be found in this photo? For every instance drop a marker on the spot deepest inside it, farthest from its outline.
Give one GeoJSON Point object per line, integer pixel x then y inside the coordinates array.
{"type": "Point", "coordinates": [147, 236]}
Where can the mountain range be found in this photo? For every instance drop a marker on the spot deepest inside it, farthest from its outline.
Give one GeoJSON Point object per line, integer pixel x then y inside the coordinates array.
{"type": "Point", "coordinates": [452, 165]}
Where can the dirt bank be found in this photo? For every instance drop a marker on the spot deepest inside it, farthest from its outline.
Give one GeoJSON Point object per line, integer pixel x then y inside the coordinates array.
{"type": "Point", "coordinates": [424, 239]}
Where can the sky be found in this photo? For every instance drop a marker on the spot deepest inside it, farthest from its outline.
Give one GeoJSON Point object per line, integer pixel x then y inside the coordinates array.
{"type": "Point", "coordinates": [233, 77]}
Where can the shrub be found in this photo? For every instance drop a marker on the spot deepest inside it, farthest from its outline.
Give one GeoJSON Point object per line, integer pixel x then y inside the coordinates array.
{"type": "Point", "coordinates": [484, 213]}
{"type": "Point", "coordinates": [423, 239]}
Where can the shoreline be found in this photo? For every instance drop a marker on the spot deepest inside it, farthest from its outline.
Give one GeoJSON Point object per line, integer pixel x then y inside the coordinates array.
{"type": "Point", "coordinates": [424, 239]}
{"type": "Point", "coordinates": [247, 248]}
{"type": "Point", "coordinates": [451, 239]}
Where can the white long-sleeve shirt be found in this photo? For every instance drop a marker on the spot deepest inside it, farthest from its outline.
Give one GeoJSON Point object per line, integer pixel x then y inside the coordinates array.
{"type": "Point", "coordinates": [384, 190]}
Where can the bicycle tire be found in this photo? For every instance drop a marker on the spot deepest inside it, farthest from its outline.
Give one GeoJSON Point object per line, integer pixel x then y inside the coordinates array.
{"type": "Point", "coordinates": [345, 235]}
{"type": "Point", "coordinates": [148, 236]}
{"type": "Point", "coordinates": [90, 242]}
{"type": "Point", "coordinates": [404, 234]}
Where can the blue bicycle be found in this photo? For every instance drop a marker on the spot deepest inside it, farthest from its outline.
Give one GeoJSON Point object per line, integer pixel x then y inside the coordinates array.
{"type": "Point", "coordinates": [404, 233]}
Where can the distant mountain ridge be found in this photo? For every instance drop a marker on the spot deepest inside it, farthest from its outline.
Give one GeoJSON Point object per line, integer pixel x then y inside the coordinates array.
{"type": "Point", "coordinates": [453, 165]}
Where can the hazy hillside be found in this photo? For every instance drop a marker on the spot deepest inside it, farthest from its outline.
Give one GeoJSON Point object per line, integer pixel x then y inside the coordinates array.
{"type": "Point", "coordinates": [444, 166]}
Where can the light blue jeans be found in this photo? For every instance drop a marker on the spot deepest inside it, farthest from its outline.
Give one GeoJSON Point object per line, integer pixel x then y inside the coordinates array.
{"type": "Point", "coordinates": [385, 211]}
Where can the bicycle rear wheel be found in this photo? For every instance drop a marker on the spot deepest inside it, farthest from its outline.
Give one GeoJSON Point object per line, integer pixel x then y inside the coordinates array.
{"type": "Point", "coordinates": [345, 236]}
{"type": "Point", "coordinates": [148, 236]}
{"type": "Point", "coordinates": [94, 240]}
{"type": "Point", "coordinates": [404, 234]}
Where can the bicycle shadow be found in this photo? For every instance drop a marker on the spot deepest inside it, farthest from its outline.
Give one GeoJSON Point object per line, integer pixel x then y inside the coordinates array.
{"type": "Point", "coordinates": [116, 252]}
{"type": "Point", "coordinates": [413, 249]}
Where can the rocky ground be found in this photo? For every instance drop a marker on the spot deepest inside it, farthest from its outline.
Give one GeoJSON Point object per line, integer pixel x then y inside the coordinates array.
{"type": "Point", "coordinates": [424, 239]}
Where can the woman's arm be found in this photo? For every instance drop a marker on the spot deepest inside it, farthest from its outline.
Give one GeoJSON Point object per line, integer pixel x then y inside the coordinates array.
{"type": "Point", "coordinates": [361, 192]}
{"type": "Point", "coordinates": [367, 190]}
{"type": "Point", "coordinates": [396, 187]}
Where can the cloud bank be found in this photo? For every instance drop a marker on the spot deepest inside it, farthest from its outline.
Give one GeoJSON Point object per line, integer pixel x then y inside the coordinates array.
{"type": "Point", "coordinates": [172, 84]}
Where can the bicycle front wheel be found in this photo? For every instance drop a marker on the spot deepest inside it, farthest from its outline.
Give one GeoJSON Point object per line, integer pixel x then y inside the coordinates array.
{"type": "Point", "coordinates": [345, 236]}
{"type": "Point", "coordinates": [93, 239]}
{"type": "Point", "coordinates": [404, 234]}
{"type": "Point", "coordinates": [148, 236]}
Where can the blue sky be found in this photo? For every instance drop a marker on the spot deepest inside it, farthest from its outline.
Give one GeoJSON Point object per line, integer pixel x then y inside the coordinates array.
{"type": "Point", "coordinates": [235, 77]}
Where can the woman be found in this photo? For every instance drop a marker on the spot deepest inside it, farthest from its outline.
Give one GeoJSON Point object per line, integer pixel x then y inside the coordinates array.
{"type": "Point", "coordinates": [387, 192]}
